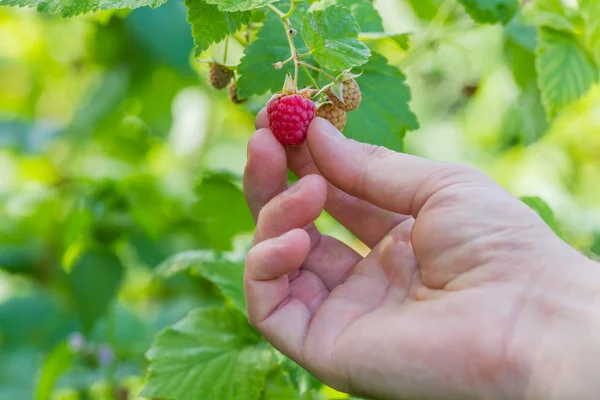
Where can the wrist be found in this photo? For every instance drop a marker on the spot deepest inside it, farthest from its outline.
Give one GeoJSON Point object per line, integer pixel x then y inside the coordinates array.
{"type": "Point", "coordinates": [557, 337]}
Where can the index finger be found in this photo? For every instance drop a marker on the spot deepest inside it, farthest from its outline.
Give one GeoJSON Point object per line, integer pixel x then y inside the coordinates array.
{"type": "Point", "coordinates": [367, 222]}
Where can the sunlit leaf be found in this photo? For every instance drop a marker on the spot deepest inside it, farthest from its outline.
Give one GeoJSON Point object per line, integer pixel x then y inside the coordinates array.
{"type": "Point", "coordinates": [544, 211]}
{"type": "Point", "coordinates": [225, 272]}
{"type": "Point", "coordinates": [211, 24]}
{"type": "Point", "coordinates": [56, 363]}
{"type": "Point", "coordinates": [565, 70]}
{"type": "Point", "coordinates": [331, 35]}
{"type": "Point", "coordinates": [70, 8]}
{"type": "Point", "coordinates": [212, 354]}
{"type": "Point", "coordinates": [240, 5]}
{"type": "Point", "coordinates": [491, 11]}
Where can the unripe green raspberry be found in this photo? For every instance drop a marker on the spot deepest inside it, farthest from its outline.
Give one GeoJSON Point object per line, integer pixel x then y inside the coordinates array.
{"type": "Point", "coordinates": [333, 114]}
{"type": "Point", "coordinates": [351, 96]}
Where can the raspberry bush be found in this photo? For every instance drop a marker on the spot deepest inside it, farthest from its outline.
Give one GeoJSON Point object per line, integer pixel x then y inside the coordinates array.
{"type": "Point", "coordinates": [107, 210]}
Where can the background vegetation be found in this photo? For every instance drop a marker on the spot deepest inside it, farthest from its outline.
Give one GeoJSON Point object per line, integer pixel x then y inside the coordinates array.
{"type": "Point", "coordinates": [120, 201]}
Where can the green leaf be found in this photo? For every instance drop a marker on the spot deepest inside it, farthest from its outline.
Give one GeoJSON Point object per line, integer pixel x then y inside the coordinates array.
{"type": "Point", "coordinates": [225, 272]}
{"type": "Point", "coordinates": [425, 9]}
{"type": "Point", "coordinates": [549, 14]}
{"type": "Point", "coordinates": [402, 39]}
{"type": "Point", "coordinates": [526, 121]}
{"type": "Point", "coordinates": [363, 11]}
{"type": "Point", "coordinates": [520, 43]}
{"type": "Point", "coordinates": [565, 70]}
{"type": "Point", "coordinates": [211, 25]}
{"type": "Point", "coordinates": [56, 363]}
{"type": "Point", "coordinates": [278, 387]}
{"type": "Point", "coordinates": [222, 210]}
{"type": "Point", "coordinates": [70, 8]}
{"type": "Point", "coordinates": [590, 11]}
{"type": "Point", "coordinates": [491, 11]}
{"type": "Point", "coordinates": [544, 211]}
{"type": "Point", "coordinates": [46, 324]}
{"type": "Point", "coordinates": [95, 279]}
{"type": "Point", "coordinates": [257, 74]}
{"type": "Point", "coordinates": [384, 115]}
{"type": "Point", "coordinates": [211, 354]}
{"type": "Point", "coordinates": [595, 247]}
{"type": "Point", "coordinates": [239, 5]}
{"type": "Point", "coordinates": [332, 37]}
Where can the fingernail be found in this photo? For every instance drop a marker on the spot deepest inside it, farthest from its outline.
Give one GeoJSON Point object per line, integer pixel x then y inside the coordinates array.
{"type": "Point", "coordinates": [294, 188]}
{"type": "Point", "coordinates": [329, 129]}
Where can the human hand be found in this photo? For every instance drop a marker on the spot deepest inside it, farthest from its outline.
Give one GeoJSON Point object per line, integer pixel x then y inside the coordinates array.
{"type": "Point", "coordinates": [466, 294]}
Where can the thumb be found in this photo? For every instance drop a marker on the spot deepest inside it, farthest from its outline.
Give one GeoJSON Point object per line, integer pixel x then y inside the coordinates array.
{"type": "Point", "coordinates": [393, 181]}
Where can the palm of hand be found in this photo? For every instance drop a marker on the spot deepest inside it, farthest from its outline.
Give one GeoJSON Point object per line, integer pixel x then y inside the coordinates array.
{"type": "Point", "coordinates": [437, 296]}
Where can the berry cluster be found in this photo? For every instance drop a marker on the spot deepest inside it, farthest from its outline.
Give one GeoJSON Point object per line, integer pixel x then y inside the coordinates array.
{"type": "Point", "coordinates": [291, 111]}
{"type": "Point", "coordinates": [220, 77]}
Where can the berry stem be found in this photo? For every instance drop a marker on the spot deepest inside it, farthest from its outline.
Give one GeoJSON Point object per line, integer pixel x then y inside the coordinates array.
{"type": "Point", "coordinates": [241, 40]}
{"type": "Point", "coordinates": [275, 10]}
{"type": "Point", "coordinates": [285, 19]}
{"type": "Point", "coordinates": [319, 70]}
{"type": "Point", "coordinates": [226, 49]}
{"type": "Point", "coordinates": [310, 77]}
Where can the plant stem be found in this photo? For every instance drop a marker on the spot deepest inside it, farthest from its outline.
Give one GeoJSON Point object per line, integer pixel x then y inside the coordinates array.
{"type": "Point", "coordinates": [285, 19]}
{"type": "Point", "coordinates": [331, 78]}
{"type": "Point", "coordinates": [226, 49]}
{"type": "Point", "coordinates": [275, 10]}
{"type": "Point", "coordinates": [238, 38]}
{"type": "Point", "coordinates": [288, 14]}
{"type": "Point", "coordinates": [310, 77]}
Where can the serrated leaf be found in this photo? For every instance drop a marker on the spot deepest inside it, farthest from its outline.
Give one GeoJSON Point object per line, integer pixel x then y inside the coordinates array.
{"type": "Point", "coordinates": [363, 11]}
{"type": "Point", "coordinates": [565, 70]}
{"type": "Point", "coordinates": [544, 211]}
{"type": "Point", "coordinates": [70, 8]}
{"type": "Point", "coordinates": [225, 272]}
{"type": "Point", "coordinates": [240, 5]}
{"type": "Point", "coordinates": [257, 74]}
{"type": "Point", "coordinates": [95, 280]}
{"type": "Point", "coordinates": [590, 11]}
{"type": "Point", "coordinates": [491, 11]}
{"type": "Point", "coordinates": [331, 35]}
{"type": "Point", "coordinates": [212, 354]}
{"type": "Point", "coordinates": [549, 14]}
{"type": "Point", "coordinates": [384, 115]}
{"type": "Point", "coordinates": [211, 25]}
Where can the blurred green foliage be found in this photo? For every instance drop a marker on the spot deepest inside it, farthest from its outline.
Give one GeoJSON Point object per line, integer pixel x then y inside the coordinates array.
{"type": "Point", "coordinates": [118, 164]}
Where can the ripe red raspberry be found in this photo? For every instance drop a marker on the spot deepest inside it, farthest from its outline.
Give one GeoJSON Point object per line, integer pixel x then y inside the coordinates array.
{"type": "Point", "coordinates": [219, 76]}
{"type": "Point", "coordinates": [289, 117]}
{"type": "Point", "coordinates": [333, 114]}
{"type": "Point", "coordinates": [351, 96]}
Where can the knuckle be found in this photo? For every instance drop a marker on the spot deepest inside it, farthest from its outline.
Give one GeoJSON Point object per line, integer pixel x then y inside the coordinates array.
{"type": "Point", "coordinates": [375, 155]}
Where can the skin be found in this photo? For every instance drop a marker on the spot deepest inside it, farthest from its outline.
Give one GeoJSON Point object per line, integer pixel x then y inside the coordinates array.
{"type": "Point", "coordinates": [466, 293]}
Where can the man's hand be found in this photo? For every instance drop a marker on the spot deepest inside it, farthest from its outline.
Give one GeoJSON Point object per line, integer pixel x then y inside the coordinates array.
{"type": "Point", "coordinates": [466, 293]}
